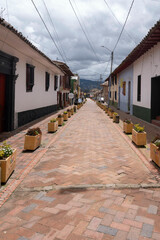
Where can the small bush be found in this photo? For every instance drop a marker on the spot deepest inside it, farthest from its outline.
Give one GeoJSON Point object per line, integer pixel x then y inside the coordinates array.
{"type": "Point", "coordinates": [34, 131]}
{"type": "Point", "coordinates": [53, 120]}
{"type": "Point", "coordinates": [156, 141]}
{"type": "Point", "coordinates": [5, 150]}
{"type": "Point", "coordinates": [138, 128]}
{"type": "Point", "coordinates": [127, 121]}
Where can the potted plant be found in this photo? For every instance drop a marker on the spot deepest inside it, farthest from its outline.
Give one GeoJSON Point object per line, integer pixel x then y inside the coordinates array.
{"type": "Point", "coordinates": [111, 112]}
{"type": "Point", "coordinates": [155, 150]}
{"type": "Point", "coordinates": [127, 126]}
{"type": "Point", "coordinates": [106, 110]}
{"type": "Point", "coordinates": [72, 111]}
{"type": "Point", "coordinates": [60, 119]}
{"type": "Point", "coordinates": [115, 117]}
{"type": "Point", "coordinates": [7, 161]}
{"type": "Point", "coordinates": [32, 139]}
{"type": "Point", "coordinates": [69, 112]}
{"type": "Point", "coordinates": [65, 116]}
{"type": "Point", "coordinates": [53, 125]}
{"type": "Point", "coordinates": [139, 136]}
{"type": "Point", "coordinates": [75, 109]}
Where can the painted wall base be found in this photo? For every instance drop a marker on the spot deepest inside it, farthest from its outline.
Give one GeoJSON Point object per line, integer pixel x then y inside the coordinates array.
{"type": "Point", "coordinates": [30, 115]}
{"type": "Point", "coordinates": [115, 104]}
{"type": "Point", "coordinates": [142, 112]}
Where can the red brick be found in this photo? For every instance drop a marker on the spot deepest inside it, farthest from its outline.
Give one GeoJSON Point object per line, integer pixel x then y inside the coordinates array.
{"type": "Point", "coordinates": [121, 235]}
{"type": "Point", "coordinates": [94, 235]}
{"type": "Point", "coordinates": [134, 234]}
{"type": "Point", "coordinates": [80, 228]}
{"type": "Point", "coordinates": [107, 220]}
{"type": "Point", "coordinates": [120, 226]}
{"type": "Point", "coordinates": [132, 223]}
{"type": "Point", "coordinates": [94, 223]}
{"type": "Point", "coordinates": [119, 217]}
{"type": "Point", "coordinates": [64, 233]}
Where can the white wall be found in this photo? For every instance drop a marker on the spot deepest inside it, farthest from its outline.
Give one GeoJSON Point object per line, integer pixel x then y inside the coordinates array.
{"type": "Point", "coordinates": [38, 97]}
{"type": "Point", "coordinates": [148, 66]}
{"type": "Point", "coordinates": [10, 43]}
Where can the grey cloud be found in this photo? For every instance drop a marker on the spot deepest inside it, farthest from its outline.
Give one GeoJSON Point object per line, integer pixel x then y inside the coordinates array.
{"type": "Point", "coordinates": [101, 27]}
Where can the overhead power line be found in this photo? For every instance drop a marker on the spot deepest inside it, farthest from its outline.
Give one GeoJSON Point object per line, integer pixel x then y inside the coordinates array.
{"type": "Point", "coordinates": [84, 31]}
{"type": "Point", "coordinates": [119, 21]}
{"type": "Point", "coordinates": [123, 26]}
{"type": "Point", "coordinates": [48, 30]}
{"type": "Point", "coordinates": [58, 39]}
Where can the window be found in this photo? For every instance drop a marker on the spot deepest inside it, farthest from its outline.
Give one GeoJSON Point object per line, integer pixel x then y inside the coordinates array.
{"type": "Point", "coordinates": [115, 95]}
{"type": "Point", "coordinates": [29, 77]}
{"type": "Point", "coordinates": [112, 80]}
{"type": "Point", "coordinates": [115, 79]}
{"type": "Point", "coordinates": [139, 89]}
{"type": "Point", "coordinates": [47, 81]}
{"type": "Point", "coordinates": [55, 82]}
{"type": "Point", "coordinates": [124, 88]}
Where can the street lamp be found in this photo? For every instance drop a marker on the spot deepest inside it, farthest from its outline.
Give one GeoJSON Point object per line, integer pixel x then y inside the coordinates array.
{"type": "Point", "coordinates": [110, 70]}
{"type": "Point", "coordinates": [111, 57]}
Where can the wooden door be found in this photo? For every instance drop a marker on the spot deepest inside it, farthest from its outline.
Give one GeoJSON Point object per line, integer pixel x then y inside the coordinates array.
{"type": "Point", "coordinates": [129, 96]}
{"type": "Point", "coordinates": [2, 101]}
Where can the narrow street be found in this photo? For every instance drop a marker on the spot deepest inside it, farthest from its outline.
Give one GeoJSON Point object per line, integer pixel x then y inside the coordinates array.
{"type": "Point", "coordinates": [85, 186]}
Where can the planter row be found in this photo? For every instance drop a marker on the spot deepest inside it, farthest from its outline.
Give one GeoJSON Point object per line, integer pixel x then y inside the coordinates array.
{"type": "Point", "coordinates": [7, 165]}
{"type": "Point", "coordinates": [139, 138]}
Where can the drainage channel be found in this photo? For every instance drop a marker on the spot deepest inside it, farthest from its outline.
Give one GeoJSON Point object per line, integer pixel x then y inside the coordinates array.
{"type": "Point", "coordinates": [88, 187]}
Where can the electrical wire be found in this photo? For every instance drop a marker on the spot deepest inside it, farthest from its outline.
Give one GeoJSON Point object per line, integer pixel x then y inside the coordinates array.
{"type": "Point", "coordinates": [84, 31]}
{"type": "Point", "coordinates": [58, 39]}
{"type": "Point", "coordinates": [47, 30]}
{"type": "Point", "coordinates": [119, 21]}
{"type": "Point", "coordinates": [84, 26]}
{"type": "Point", "coordinates": [123, 26]}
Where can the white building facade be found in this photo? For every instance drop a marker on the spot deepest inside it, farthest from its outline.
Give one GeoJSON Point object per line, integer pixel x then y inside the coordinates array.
{"type": "Point", "coordinates": [29, 80]}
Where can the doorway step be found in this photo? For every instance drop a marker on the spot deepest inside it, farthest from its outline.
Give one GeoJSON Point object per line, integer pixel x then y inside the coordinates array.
{"type": "Point", "coordinates": [156, 121]}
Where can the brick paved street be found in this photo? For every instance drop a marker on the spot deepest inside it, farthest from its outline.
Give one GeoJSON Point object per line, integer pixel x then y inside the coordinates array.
{"type": "Point", "coordinates": [89, 150]}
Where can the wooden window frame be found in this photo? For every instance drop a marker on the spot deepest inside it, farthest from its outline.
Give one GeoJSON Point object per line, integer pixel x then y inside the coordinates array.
{"type": "Point", "coordinates": [124, 89]}
{"type": "Point", "coordinates": [47, 81]}
{"type": "Point", "coordinates": [29, 77]}
{"type": "Point", "coordinates": [139, 88]}
{"type": "Point", "coordinates": [55, 82]}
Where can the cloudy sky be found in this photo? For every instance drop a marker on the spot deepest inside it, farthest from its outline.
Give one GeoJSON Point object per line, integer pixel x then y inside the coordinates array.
{"type": "Point", "coordinates": [79, 41]}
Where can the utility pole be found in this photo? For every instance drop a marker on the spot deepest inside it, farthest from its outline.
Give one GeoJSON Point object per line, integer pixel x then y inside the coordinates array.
{"type": "Point", "coordinates": [110, 71]}
{"type": "Point", "coordinates": [100, 84]}
{"type": "Point", "coordinates": [110, 79]}
{"type": "Point", "coordinates": [111, 61]}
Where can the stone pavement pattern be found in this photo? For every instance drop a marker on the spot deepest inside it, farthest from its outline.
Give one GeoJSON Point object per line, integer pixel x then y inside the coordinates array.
{"type": "Point", "coordinates": [89, 150]}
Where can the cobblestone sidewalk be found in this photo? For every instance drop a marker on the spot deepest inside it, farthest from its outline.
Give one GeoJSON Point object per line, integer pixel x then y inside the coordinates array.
{"type": "Point", "coordinates": [90, 151]}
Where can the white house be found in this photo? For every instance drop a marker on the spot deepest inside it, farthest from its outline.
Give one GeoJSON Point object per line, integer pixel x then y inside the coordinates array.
{"type": "Point", "coordinates": [29, 80]}
{"type": "Point", "coordinates": [142, 69]}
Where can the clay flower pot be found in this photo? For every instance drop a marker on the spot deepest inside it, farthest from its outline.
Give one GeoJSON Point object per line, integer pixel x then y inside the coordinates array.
{"type": "Point", "coordinates": [32, 142]}
{"type": "Point", "coordinates": [65, 116]}
{"type": "Point", "coordinates": [127, 127]}
{"type": "Point", "coordinates": [155, 153]}
{"type": "Point", "coordinates": [7, 166]}
{"type": "Point", "coordinates": [52, 126]}
{"type": "Point", "coordinates": [139, 138]}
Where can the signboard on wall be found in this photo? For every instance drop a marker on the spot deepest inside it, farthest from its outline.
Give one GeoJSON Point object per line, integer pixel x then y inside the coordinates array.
{"type": "Point", "coordinates": [71, 95]}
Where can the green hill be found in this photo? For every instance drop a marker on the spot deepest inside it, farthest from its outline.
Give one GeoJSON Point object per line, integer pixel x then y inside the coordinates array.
{"type": "Point", "coordinates": [88, 85]}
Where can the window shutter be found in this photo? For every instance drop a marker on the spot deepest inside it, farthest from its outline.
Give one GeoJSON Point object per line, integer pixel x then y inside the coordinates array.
{"type": "Point", "coordinates": [47, 81]}
{"type": "Point", "coordinates": [55, 82]}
